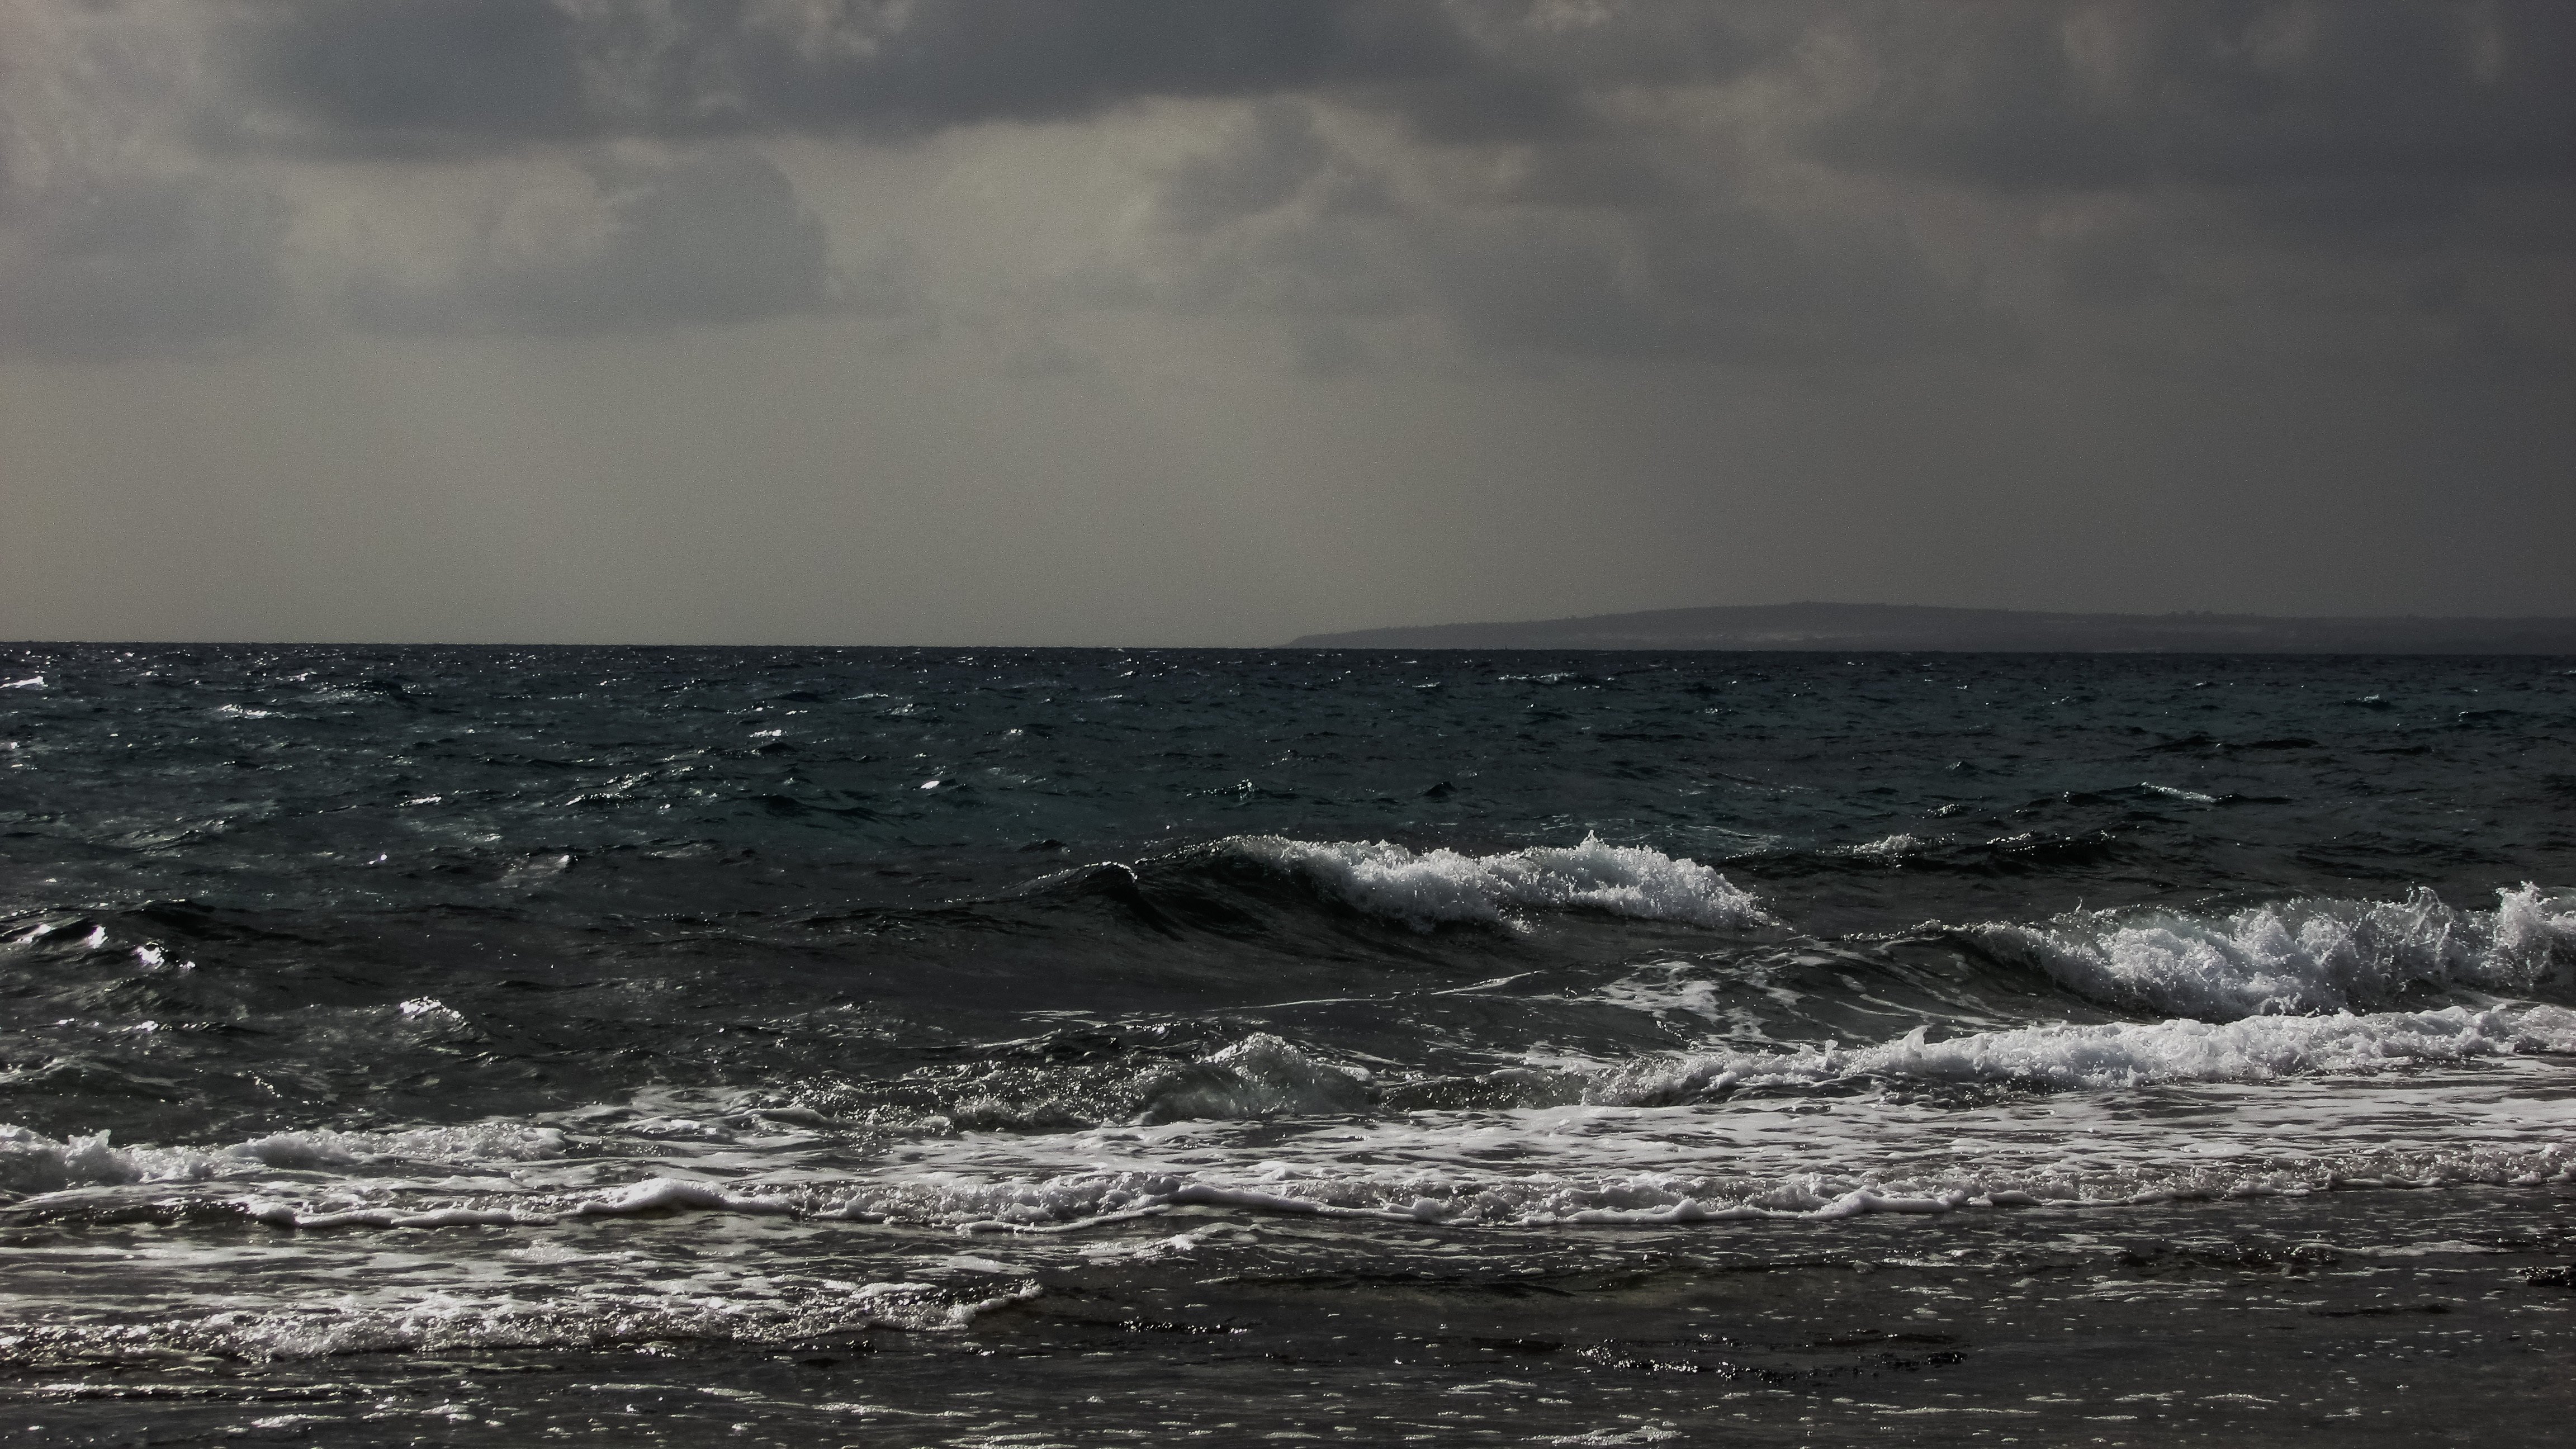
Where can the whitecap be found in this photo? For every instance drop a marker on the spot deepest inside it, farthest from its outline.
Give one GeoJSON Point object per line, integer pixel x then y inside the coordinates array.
{"type": "Point", "coordinates": [2299, 955]}
{"type": "Point", "coordinates": [1430, 887]}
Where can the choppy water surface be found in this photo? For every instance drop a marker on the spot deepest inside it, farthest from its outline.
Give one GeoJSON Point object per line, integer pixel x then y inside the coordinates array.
{"type": "Point", "coordinates": [371, 1007]}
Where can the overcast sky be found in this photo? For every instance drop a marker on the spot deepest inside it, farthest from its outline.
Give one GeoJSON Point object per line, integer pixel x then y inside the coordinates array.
{"type": "Point", "coordinates": [1222, 321]}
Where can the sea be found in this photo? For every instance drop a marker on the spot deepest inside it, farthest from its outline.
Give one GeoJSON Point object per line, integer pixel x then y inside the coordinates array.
{"type": "Point", "coordinates": [508, 1046]}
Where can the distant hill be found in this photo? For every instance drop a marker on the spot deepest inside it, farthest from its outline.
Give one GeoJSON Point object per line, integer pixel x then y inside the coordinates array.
{"type": "Point", "coordinates": [1912, 627]}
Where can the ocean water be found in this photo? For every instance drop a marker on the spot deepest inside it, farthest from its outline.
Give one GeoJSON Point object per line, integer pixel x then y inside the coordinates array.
{"type": "Point", "coordinates": [429, 1045]}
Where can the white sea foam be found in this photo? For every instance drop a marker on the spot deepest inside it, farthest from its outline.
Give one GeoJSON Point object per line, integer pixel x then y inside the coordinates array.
{"type": "Point", "coordinates": [2118, 1054]}
{"type": "Point", "coordinates": [2261, 1105]}
{"type": "Point", "coordinates": [1613, 1164]}
{"type": "Point", "coordinates": [1608, 1165]}
{"type": "Point", "coordinates": [1035, 1200]}
{"type": "Point", "coordinates": [430, 1007]}
{"type": "Point", "coordinates": [1427, 888]}
{"type": "Point", "coordinates": [2299, 955]}
{"type": "Point", "coordinates": [31, 1162]}
{"type": "Point", "coordinates": [736, 1308]}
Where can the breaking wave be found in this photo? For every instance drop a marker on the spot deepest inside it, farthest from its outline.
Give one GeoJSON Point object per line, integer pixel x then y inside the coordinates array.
{"type": "Point", "coordinates": [2118, 1054]}
{"type": "Point", "coordinates": [1260, 1076]}
{"type": "Point", "coordinates": [2297, 956]}
{"type": "Point", "coordinates": [1431, 887]}
{"type": "Point", "coordinates": [1721, 1139]}
{"type": "Point", "coordinates": [33, 1163]}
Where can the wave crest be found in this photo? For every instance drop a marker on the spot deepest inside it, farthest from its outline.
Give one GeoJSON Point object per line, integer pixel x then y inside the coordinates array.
{"type": "Point", "coordinates": [1431, 887]}
{"type": "Point", "coordinates": [1260, 1076]}
{"type": "Point", "coordinates": [2296, 956]}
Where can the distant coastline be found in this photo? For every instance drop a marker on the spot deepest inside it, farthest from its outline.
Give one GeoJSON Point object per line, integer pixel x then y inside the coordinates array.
{"type": "Point", "coordinates": [1818, 626]}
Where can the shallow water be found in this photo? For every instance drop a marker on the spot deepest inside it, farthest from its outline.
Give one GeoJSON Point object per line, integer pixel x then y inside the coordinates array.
{"type": "Point", "coordinates": [380, 1021]}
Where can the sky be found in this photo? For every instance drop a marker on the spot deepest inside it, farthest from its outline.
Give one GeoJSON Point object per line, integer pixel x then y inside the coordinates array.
{"type": "Point", "coordinates": [1216, 322]}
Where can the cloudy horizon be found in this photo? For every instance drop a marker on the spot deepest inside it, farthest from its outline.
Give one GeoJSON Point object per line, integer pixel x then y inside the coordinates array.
{"type": "Point", "coordinates": [1146, 322]}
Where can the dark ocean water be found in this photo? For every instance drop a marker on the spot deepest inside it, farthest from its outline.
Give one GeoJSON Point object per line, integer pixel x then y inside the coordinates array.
{"type": "Point", "coordinates": [881, 1046]}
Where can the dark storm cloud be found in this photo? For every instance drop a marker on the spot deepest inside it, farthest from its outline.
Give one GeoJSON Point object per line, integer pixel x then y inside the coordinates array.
{"type": "Point", "coordinates": [2367, 182]}
{"type": "Point", "coordinates": [393, 74]}
{"type": "Point", "coordinates": [718, 239]}
{"type": "Point", "coordinates": [448, 76]}
{"type": "Point", "coordinates": [2009, 95]}
{"type": "Point", "coordinates": [1566, 182]}
{"type": "Point", "coordinates": [101, 270]}
{"type": "Point", "coordinates": [2378, 97]}
{"type": "Point", "coordinates": [1583, 245]}
{"type": "Point", "coordinates": [395, 77]}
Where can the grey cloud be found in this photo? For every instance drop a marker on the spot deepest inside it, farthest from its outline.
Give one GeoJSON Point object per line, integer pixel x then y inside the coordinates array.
{"type": "Point", "coordinates": [1597, 178]}
{"type": "Point", "coordinates": [2111, 268]}
{"type": "Point", "coordinates": [2273, 179]}
{"type": "Point", "coordinates": [1710, 281]}
{"type": "Point", "coordinates": [399, 74]}
{"type": "Point", "coordinates": [1581, 246]}
{"type": "Point", "coordinates": [717, 239]}
{"type": "Point", "coordinates": [110, 245]}
{"type": "Point", "coordinates": [2216, 93]}
{"type": "Point", "coordinates": [1481, 105]}
{"type": "Point", "coordinates": [2016, 96]}
{"type": "Point", "coordinates": [1718, 283]}
{"type": "Point", "coordinates": [1666, 43]}
{"type": "Point", "coordinates": [2010, 95]}
{"type": "Point", "coordinates": [1530, 71]}
{"type": "Point", "coordinates": [1330, 351]}
{"type": "Point", "coordinates": [394, 77]}
{"type": "Point", "coordinates": [102, 270]}
{"type": "Point", "coordinates": [1274, 160]}
{"type": "Point", "coordinates": [453, 76]}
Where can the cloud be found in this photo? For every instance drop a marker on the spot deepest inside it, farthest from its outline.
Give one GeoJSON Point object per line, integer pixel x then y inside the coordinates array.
{"type": "Point", "coordinates": [451, 77]}
{"type": "Point", "coordinates": [112, 245]}
{"type": "Point", "coordinates": [395, 77]}
{"type": "Point", "coordinates": [396, 74]}
{"type": "Point", "coordinates": [1587, 245]}
{"type": "Point", "coordinates": [1836, 180]}
{"type": "Point", "coordinates": [2361, 183]}
{"type": "Point", "coordinates": [1720, 284]}
{"type": "Point", "coordinates": [1396, 305]}
{"type": "Point", "coordinates": [715, 239]}
{"type": "Point", "coordinates": [130, 266]}
{"type": "Point", "coordinates": [2022, 96]}
{"type": "Point", "coordinates": [1270, 162]}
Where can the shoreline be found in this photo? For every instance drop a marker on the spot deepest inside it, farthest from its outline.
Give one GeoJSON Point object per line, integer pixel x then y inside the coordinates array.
{"type": "Point", "coordinates": [2374, 1317]}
